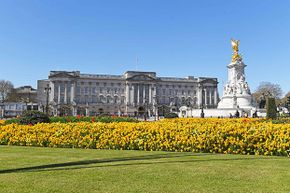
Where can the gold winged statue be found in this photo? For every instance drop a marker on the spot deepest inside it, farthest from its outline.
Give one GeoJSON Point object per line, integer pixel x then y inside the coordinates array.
{"type": "Point", "coordinates": [235, 45]}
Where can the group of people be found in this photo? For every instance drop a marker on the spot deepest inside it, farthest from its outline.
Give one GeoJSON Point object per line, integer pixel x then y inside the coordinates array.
{"type": "Point", "coordinates": [237, 115]}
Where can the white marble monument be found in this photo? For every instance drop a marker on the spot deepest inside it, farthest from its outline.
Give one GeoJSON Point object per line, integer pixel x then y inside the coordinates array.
{"type": "Point", "coordinates": [236, 92]}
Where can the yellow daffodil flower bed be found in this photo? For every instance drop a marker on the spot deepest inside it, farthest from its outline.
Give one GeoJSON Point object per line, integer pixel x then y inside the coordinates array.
{"type": "Point", "coordinates": [2, 122]}
{"type": "Point", "coordinates": [234, 136]}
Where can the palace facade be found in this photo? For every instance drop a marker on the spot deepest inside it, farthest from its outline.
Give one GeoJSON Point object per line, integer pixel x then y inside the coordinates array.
{"type": "Point", "coordinates": [133, 93]}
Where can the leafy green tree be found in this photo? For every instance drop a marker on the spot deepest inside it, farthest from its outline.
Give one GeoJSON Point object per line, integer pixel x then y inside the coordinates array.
{"type": "Point", "coordinates": [271, 108]}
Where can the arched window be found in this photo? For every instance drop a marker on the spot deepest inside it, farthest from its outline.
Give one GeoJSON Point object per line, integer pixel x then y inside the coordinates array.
{"type": "Point", "coordinates": [176, 101]}
{"type": "Point", "coordinates": [108, 99]}
{"type": "Point", "coordinates": [189, 101]}
{"type": "Point", "coordinates": [183, 100]}
{"type": "Point", "coordinates": [102, 99]}
{"type": "Point", "coordinates": [194, 101]}
{"type": "Point", "coordinates": [115, 99]}
{"type": "Point", "coordinates": [122, 99]}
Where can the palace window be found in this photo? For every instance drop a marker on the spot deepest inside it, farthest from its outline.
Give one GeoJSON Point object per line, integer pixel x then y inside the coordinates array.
{"type": "Point", "coordinates": [108, 99]}
{"type": "Point", "coordinates": [78, 90]}
{"type": "Point", "coordinates": [115, 99]}
{"type": "Point", "coordinates": [163, 100]}
{"type": "Point", "coordinates": [183, 100]}
{"type": "Point", "coordinates": [94, 99]}
{"type": "Point", "coordinates": [94, 90]}
{"type": "Point", "coordinates": [86, 90]}
{"type": "Point", "coordinates": [82, 91]}
{"type": "Point", "coordinates": [102, 99]}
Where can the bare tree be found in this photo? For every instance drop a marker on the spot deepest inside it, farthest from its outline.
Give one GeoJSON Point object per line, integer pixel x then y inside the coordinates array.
{"type": "Point", "coordinates": [5, 88]}
{"type": "Point", "coordinates": [268, 89]}
{"type": "Point", "coordinates": [285, 99]}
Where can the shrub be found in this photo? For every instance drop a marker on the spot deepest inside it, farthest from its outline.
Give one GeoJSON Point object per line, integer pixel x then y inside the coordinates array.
{"type": "Point", "coordinates": [67, 119]}
{"type": "Point", "coordinates": [271, 108]}
{"type": "Point", "coordinates": [33, 117]}
{"type": "Point", "coordinates": [10, 121]}
{"type": "Point", "coordinates": [170, 115]}
{"type": "Point", "coordinates": [102, 118]}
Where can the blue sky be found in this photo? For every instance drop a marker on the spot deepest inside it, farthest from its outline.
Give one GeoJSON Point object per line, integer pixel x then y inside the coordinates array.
{"type": "Point", "coordinates": [171, 37]}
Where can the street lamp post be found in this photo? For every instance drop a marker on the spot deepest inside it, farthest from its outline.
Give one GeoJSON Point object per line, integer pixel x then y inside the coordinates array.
{"type": "Point", "coordinates": [145, 109]}
{"type": "Point", "coordinates": [2, 109]}
{"type": "Point", "coordinates": [26, 104]}
{"type": "Point", "coordinates": [155, 104]}
{"type": "Point", "coordinates": [202, 112]}
{"type": "Point", "coordinates": [47, 90]}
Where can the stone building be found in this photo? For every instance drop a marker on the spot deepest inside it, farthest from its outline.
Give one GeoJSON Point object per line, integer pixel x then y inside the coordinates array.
{"type": "Point", "coordinates": [20, 99]}
{"type": "Point", "coordinates": [26, 94]}
{"type": "Point", "coordinates": [133, 93]}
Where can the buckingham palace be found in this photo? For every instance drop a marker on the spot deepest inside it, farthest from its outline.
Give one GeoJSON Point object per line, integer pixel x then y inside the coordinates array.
{"type": "Point", "coordinates": [133, 93]}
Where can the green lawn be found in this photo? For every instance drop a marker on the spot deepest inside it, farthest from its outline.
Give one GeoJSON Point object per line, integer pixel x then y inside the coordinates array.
{"type": "Point", "coordinates": [31, 169]}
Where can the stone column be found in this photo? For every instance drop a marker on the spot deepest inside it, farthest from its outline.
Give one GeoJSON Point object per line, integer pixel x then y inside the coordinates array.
{"type": "Point", "coordinates": [205, 97]}
{"type": "Point", "coordinates": [127, 94]}
{"type": "Point", "coordinates": [199, 99]}
{"type": "Point", "coordinates": [58, 94]}
{"type": "Point", "coordinates": [210, 97]}
{"type": "Point", "coordinates": [215, 96]}
{"type": "Point", "coordinates": [144, 94]}
{"type": "Point", "coordinates": [65, 93]}
{"type": "Point", "coordinates": [150, 93]}
{"type": "Point", "coordinates": [154, 91]}
{"type": "Point", "coordinates": [72, 92]}
{"type": "Point", "coordinates": [138, 92]}
{"type": "Point", "coordinates": [51, 94]}
{"type": "Point", "coordinates": [132, 96]}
